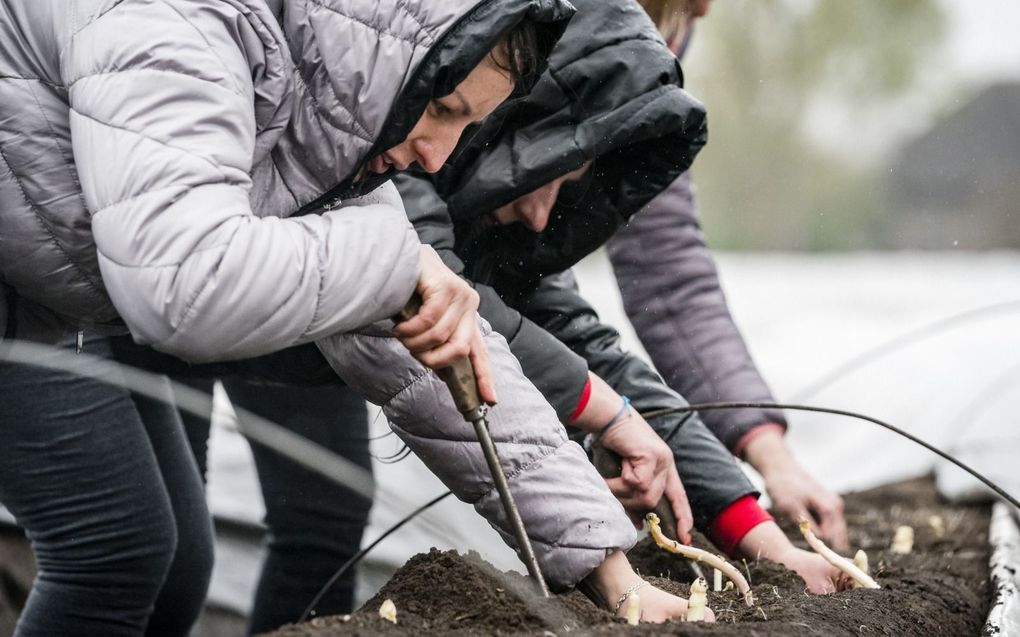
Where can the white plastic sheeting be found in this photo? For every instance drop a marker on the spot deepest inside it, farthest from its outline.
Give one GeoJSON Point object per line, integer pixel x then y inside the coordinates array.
{"type": "Point", "coordinates": [1004, 618]}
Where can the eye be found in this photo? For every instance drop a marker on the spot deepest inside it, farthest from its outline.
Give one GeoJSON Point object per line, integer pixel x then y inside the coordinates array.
{"type": "Point", "coordinates": [441, 110]}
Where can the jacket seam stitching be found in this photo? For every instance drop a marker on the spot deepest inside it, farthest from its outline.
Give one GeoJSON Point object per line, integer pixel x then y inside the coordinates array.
{"type": "Point", "coordinates": [238, 88]}
{"type": "Point", "coordinates": [320, 113]}
{"type": "Point", "coordinates": [410, 14]}
{"type": "Point", "coordinates": [547, 450]}
{"type": "Point", "coordinates": [86, 276]}
{"type": "Point", "coordinates": [68, 161]}
{"type": "Point", "coordinates": [375, 28]}
{"type": "Point", "coordinates": [235, 89]}
{"type": "Point", "coordinates": [166, 144]}
{"type": "Point", "coordinates": [146, 266]}
{"type": "Point", "coordinates": [156, 71]}
{"type": "Point", "coordinates": [190, 305]}
{"type": "Point", "coordinates": [77, 29]}
{"type": "Point", "coordinates": [33, 78]}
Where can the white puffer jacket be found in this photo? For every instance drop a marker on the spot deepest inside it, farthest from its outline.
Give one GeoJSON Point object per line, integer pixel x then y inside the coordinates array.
{"type": "Point", "coordinates": [154, 155]}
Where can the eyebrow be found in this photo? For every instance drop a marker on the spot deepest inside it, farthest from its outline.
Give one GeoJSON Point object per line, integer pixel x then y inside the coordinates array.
{"type": "Point", "coordinates": [465, 108]}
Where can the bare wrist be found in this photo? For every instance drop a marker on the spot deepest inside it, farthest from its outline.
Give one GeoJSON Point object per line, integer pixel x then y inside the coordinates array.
{"type": "Point", "coordinates": [767, 451]}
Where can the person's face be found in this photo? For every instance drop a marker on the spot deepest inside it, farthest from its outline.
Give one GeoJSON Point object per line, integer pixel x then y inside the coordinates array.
{"type": "Point", "coordinates": [436, 134]}
{"type": "Point", "coordinates": [532, 210]}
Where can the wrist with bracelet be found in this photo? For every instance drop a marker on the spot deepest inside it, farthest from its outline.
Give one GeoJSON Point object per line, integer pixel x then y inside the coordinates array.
{"type": "Point", "coordinates": [620, 416]}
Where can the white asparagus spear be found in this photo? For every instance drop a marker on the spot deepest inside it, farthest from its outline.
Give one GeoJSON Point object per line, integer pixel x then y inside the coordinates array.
{"type": "Point", "coordinates": [834, 558]}
{"type": "Point", "coordinates": [903, 540]}
{"type": "Point", "coordinates": [697, 601]}
{"type": "Point", "coordinates": [698, 555]}
{"type": "Point", "coordinates": [388, 611]}
{"type": "Point", "coordinates": [861, 562]}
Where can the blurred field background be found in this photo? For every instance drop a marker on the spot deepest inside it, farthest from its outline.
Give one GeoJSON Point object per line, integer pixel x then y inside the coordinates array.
{"type": "Point", "coordinates": [839, 125]}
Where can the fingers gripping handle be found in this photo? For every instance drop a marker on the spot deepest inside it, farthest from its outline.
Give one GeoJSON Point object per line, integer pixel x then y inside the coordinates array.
{"type": "Point", "coordinates": [609, 464]}
{"type": "Point", "coordinates": [459, 377]}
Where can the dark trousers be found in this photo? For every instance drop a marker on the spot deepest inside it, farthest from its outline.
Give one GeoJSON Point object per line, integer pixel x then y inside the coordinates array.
{"type": "Point", "coordinates": [314, 525]}
{"type": "Point", "coordinates": [108, 493]}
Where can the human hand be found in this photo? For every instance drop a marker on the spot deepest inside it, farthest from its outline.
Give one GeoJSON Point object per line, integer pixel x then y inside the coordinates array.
{"type": "Point", "coordinates": [445, 329]}
{"type": "Point", "coordinates": [767, 540]}
{"type": "Point", "coordinates": [648, 473]}
{"type": "Point", "coordinates": [794, 492]}
{"type": "Point", "coordinates": [797, 495]}
{"type": "Point", "coordinates": [819, 576]}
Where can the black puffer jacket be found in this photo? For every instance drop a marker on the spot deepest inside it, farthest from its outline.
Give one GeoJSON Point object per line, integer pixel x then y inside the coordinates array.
{"type": "Point", "coordinates": [612, 94]}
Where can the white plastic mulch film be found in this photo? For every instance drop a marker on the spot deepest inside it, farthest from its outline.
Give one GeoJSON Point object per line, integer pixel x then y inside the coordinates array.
{"type": "Point", "coordinates": [1004, 618]}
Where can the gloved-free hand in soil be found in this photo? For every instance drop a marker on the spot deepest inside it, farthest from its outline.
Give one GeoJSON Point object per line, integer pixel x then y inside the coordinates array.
{"type": "Point", "coordinates": [647, 470]}
{"type": "Point", "coordinates": [793, 491]}
{"type": "Point", "coordinates": [767, 541]}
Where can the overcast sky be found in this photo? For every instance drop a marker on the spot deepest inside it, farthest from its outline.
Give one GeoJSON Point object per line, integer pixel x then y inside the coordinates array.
{"type": "Point", "coordinates": [984, 38]}
{"type": "Point", "coordinates": [982, 47]}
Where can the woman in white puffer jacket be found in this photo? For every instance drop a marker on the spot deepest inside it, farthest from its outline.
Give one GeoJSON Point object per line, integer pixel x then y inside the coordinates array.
{"type": "Point", "coordinates": [204, 174]}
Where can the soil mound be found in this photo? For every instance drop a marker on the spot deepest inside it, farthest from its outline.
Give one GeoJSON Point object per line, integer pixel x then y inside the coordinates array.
{"type": "Point", "coordinates": [941, 588]}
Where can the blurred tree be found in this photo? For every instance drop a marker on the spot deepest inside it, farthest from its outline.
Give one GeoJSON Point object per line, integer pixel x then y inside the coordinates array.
{"type": "Point", "coordinates": [769, 72]}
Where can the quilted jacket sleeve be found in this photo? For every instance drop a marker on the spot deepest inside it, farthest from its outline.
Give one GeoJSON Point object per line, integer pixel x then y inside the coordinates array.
{"type": "Point", "coordinates": [710, 474]}
{"type": "Point", "coordinates": [163, 132]}
{"type": "Point", "coordinates": [671, 292]}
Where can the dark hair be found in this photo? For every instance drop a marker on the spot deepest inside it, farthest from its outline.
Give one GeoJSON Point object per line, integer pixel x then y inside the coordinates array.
{"type": "Point", "coordinates": [525, 48]}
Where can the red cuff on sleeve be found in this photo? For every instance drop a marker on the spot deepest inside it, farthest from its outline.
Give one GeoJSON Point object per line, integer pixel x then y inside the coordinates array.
{"type": "Point", "coordinates": [730, 526]}
{"type": "Point", "coordinates": [582, 402]}
{"type": "Point", "coordinates": [738, 449]}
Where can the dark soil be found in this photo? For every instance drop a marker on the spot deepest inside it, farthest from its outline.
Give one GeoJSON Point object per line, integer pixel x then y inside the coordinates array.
{"type": "Point", "coordinates": [941, 588]}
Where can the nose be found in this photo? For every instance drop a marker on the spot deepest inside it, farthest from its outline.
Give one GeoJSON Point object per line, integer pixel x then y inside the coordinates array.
{"type": "Point", "coordinates": [433, 151]}
{"type": "Point", "coordinates": [535, 210]}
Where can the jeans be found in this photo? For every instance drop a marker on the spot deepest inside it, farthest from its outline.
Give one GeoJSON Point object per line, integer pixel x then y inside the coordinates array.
{"type": "Point", "coordinates": [106, 489]}
{"type": "Point", "coordinates": [314, 525]}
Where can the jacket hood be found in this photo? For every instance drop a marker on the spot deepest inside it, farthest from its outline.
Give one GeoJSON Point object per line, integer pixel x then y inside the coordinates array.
{"type": "Point", "coordinates": [612, 95]}
{"type": "Point", "coordinates": [331, 83]}
{"type": "Point", "coordinates": [408, 54]}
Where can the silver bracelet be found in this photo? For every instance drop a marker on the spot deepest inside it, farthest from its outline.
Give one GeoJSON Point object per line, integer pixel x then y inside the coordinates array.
{"type": "Point", "coordinates": [627, 593]}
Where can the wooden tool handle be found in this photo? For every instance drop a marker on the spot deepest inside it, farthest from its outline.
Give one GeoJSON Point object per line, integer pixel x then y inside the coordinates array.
{"type": "Point", "coordinates": [459, 377]}
{"type": "Point", "coordinates": [609, 465]}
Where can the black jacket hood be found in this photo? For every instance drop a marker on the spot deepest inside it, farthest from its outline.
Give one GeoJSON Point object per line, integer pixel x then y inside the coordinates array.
{"type": "Point", "coordinates": [612, 94]}
{"type": "Point", "coordinates": [448, 63]}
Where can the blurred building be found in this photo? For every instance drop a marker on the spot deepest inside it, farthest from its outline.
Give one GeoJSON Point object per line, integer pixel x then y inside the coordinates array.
{"type": "Point", "coordinates": [958, 185]}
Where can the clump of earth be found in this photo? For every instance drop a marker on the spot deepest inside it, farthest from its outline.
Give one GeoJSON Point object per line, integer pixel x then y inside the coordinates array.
{"type": "Point", "coordinates": [940, 588]}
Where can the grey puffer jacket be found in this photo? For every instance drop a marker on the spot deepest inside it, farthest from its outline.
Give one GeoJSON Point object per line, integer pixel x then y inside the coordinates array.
{"type": "Point", "coordinates": [671, 292]}
{"type": "Point", "coordinates": [572, 519]}
{"type": "Point", "coordinates": [157, 159]}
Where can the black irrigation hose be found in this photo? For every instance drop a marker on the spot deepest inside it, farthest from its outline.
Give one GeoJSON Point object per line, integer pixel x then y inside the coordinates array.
{"type": "Point", "coordinates": [357, 557]}
{"type": "Point", "coordinates": [679, 410]}
{"type": "Point", "coordinates": [840, 412]}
